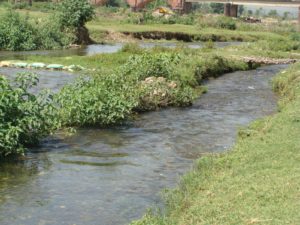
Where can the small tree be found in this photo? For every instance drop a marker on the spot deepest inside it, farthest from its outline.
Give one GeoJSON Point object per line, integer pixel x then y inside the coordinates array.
{"type": "Point", "coordinates": [73, 15]}
{"type": "Point", "coordinates": [273, 13]}
{"type": "Point", "coordinates": [241, 9]}
{"type": "Point", "coordinates": [217, 8]}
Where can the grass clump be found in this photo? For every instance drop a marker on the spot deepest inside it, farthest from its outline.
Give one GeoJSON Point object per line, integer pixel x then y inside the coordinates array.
{"type": "Point", "coordinates": [256, 182]}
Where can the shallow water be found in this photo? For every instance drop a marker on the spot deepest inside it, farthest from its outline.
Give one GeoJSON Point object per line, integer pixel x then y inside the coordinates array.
{"type": "Point", "coordinates": [101, 48]}
{"type": "Point", "coordinates": [111, 176]}
{"type": "Point", "coordinates": [52, 80]}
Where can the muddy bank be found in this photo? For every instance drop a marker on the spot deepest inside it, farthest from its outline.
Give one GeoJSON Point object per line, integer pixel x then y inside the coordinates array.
{"type": "Point", "coordinates": [180, 36]}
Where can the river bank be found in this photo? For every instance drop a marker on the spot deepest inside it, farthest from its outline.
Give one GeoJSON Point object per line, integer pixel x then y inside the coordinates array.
{"type": "Point", "coordinates": [255, 182]}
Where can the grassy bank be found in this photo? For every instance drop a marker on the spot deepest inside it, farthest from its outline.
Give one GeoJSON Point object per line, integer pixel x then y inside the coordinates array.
{"type": "Point", "coordinates": [108, 25]}
{"type": "Point", "coordinates": [257, 182]}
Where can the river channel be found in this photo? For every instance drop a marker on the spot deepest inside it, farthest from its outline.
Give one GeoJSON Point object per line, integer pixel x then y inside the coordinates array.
{"type": "Point", "coordinates": [104, 48]}
{"type": "Point", "coordinates": [111, 176]}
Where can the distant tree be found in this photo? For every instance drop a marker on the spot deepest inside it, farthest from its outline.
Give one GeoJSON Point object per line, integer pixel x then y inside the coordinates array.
{"type": "Point", "coordinates": [273, 13]}
{"type": "Point", "coordinates": [286, 15]}
{"type": "Point", "coordinates": [73, 15]}
{"type": "Point", "coordinates": [259, 12]}
{"type": "Point", "coordinates": [241, 9]}
{"type": "Point", "coordinates": [250, 12]}
{"type": "Point", "coordinates": [217, 8]}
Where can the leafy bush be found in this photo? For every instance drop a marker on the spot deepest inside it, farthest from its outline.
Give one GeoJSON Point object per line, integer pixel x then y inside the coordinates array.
{"type": "Point", "coordinates": [226, 23]}
{"type": "Point", "coordinates": [51, 36]}
{"type": "Point", "coordinates": [75, 13]}
{"type": "Point", "coordinates": [295, 36]}
{"type": "Point", "coordinates": [16, 33]}
{"type": "Point", "coordinates": [24, 117]}
{"type": "Point", "coordinates": [148, 65]}
{"type": "Point", "coordinates": [103, 100]}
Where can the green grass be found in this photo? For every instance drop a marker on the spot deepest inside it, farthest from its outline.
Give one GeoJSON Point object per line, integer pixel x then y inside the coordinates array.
{"type": "Point", "coordinates": [119, 22]}
{"type": "Point", "coordinates": [256, 182]}
{"type": "Point", "coordinates": [98, 28]}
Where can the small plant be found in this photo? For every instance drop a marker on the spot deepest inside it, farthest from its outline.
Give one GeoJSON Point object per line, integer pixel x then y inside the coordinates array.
{"type": "Point", "coordinates": [147, 65]}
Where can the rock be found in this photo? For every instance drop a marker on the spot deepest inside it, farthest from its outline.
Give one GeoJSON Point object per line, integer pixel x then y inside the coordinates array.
{"type": "Point", "coordinates": [157, 92]}
{"type": "Point", "coordinates": [37, 65]}
{"type": "Point", "coordinates": [55, 67]}
{"type": "Point", "coordinates": [75, 68]}
{"type": "Point", "coordinates": [20, 64]}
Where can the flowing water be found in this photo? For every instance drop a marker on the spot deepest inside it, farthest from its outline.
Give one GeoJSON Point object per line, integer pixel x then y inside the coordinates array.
{"type": "Point", "coordinates": [102, 48]}
{"type": "Point", "coordinates": [111, 176]}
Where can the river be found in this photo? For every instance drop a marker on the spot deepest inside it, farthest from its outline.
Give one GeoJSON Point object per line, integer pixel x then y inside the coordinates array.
{"type": "Point", "coordinates": [111, 176]}
{"type": "Point", "coordinates": [103, 48]}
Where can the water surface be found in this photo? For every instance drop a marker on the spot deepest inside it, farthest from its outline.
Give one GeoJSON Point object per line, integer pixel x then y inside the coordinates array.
{"type": "Point", "coordinates": [101, 48]}
{"type": "Point", "coordinates": [111, 176]}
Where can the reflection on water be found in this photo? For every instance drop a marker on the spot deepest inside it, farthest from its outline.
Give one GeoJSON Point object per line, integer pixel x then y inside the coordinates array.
{"type": "Point", "coordinates": [110, 176]}
{"type": "Point", "coordinates": [101, 48]}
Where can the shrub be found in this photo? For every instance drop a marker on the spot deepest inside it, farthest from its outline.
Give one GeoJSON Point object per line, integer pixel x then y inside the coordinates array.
{"type": "Point", "coordinates": [217, 22]}
{"type": "Point", "coordinates": [156, 65]}
{"type": "Point", "coordinates": [103, 100]}
{"type": "Point", "coordinates": [16, 33]}
{"type": "Point", "coordinates": [75, 13]}
{"type": "Point", "coordinates": [24, 118]}
{"type": "Point", "coordinates": [51, 36]}
{"type": "Point", "coordinates": [226, 23]}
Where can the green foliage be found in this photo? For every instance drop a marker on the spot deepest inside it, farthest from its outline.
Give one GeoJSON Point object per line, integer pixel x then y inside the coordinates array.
{"type": "Point", "coordinates": [152, 65]}
{"type": "Point", "coordinates": [148, 18]}
{"type": "Point", "coordinates": [280, 45]}
{"type": "Point", "coordinates": [24, 118]}
{"type": "Point", "coordinates": [222, 22]}
{"type": "Point", "coordinates": [16, 33]}
{"type": "Point", "coordinates": [226, 23]}
{"type": "Point", "coordinates": [103, 100]}
{"type": "Point", "coordinates": [214, 66]}
{"type": "Point", "coordinates": [217, 8]}
{"type": "Point", "coordinates": [75, 13]}
{"type": "Point", "coordinates": [273, 13]}
{"type": "Point", "coordinates": [295, 36]}
{"type": "Point", "coordinates": [132, 48]}
{"type": "Point", "coordinates": [50, 35]}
